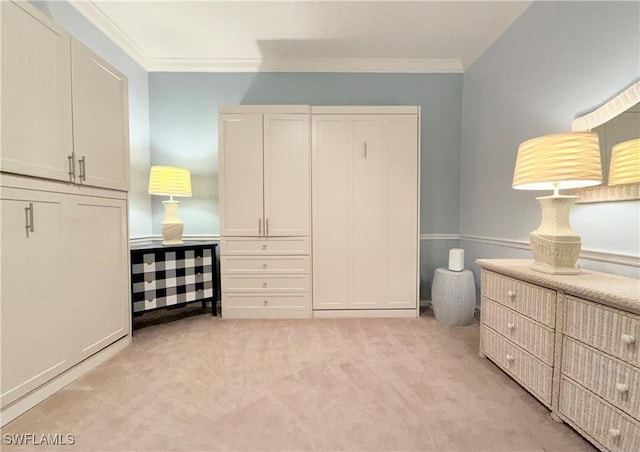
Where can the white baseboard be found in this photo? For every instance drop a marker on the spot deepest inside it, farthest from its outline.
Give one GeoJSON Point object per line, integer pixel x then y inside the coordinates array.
{"type": "Point", "coordinates": [25, 403]}
{"type": "Point", "coordinates": [365, 313]}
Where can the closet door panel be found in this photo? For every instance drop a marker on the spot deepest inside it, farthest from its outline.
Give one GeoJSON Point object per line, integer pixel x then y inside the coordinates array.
{"type": "Point", "coordinates": [330, 147]}
{"type": "Point", "coordinates": [367, 213]}
{"type": "Point", "coordinates": [402, 212]}
{"type": "Point", "coordinates": [287, 173]}
{"type": "Point", "coordinates": [241, 175]}
{"type": "Point", "coordinates": [33, 292]}
{"type": "Point", "coordinates": [36, 94]}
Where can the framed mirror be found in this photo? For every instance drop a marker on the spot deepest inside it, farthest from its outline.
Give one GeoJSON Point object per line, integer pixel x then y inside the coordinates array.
{"type": "Point", "coordinates": [616, 121]}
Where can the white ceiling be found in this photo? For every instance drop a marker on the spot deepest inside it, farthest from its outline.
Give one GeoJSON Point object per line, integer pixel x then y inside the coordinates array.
{"type": "Point", "coordinates": [335, 36]}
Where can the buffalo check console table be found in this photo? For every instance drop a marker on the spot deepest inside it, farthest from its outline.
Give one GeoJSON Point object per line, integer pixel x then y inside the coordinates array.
{"type": "Point", "coordinates": [172, 276]}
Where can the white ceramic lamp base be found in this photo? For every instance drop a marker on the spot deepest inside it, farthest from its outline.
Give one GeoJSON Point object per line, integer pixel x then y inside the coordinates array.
{"type": "Point", "coordinates": [555, 245]}
{"type": "Point", "coordinates": [172, 227]}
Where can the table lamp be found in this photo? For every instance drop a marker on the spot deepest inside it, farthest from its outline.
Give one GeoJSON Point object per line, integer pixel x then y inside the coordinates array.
{"type": "Point", "coordinates": [170, 181]}
{"type": "Point", "coordinates": [625, 163]}
{"type": "Point", "coordinates": [559, 161]}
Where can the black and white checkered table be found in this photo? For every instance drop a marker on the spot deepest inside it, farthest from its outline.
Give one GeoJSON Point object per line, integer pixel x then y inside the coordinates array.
{"type": "Point", "coordinates": [166, 276]}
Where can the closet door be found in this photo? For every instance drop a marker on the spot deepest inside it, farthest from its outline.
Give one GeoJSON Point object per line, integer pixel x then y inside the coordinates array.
{"type": "Point", "coordinates": [36, 94]}
{"type": "Point", "coordinates": [331, 168]}
{"type": "Point", "coordinates": [287, 172]}
{"type": "Point", "coordinates": [100, 121]}
{"type": "Point", "coordinates": [241, 175]}
{"type": "Point", "coordinates": [367, 212]}
{"type": "Point", "coordinates": [33, 291]}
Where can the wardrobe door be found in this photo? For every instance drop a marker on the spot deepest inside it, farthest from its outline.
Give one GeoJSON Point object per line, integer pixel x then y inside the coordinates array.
{"type": "Point", "coordinates": [367, 212]}
{"type": "Point", "coordinates": [399, 240]}
{"type": "Point", "coordinates": [36, 94]}
{"type": "Point", "coordinates": [331, 168]}
{"type": "Point", "coordinates": [241, 175]}
{"type": "Point", "coordinates": [287, 173]}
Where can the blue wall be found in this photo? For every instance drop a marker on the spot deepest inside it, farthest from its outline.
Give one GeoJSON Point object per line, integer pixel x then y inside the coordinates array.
{"type": "Point", "coordinates": [558, 61]}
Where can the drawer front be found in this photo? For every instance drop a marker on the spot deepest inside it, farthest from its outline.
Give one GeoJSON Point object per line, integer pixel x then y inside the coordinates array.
{"type": "Point", "coordinates": [533, 337]}
{"type": "Point", "coordinates": [265, 283]}
{"type": "Point", "coordinates": [531, 300]}
{"type": "Point", "coordinates": [532, 373]}
{"type": "Point", "coordinates": [264, 246]}
{"type": "Point", "coordinates": [611, 428]}
{"type": "Point", "coordinates": [267, 302]}
{"type": "Point", "coordinates": [612, 331]}
{"type": "Point", "coordinates": [616, 382]}
{"type": "Point", "coordinates": [157, 264]}
{"type": "Point", "coordinates": [265, 264]}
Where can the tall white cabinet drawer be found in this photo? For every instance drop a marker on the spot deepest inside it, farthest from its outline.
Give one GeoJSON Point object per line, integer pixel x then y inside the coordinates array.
{"type": "Point", "coordinates": [265, 283]}
{"type": "Point", "coordinates": [528, 299]}
{"type": "Point", "coordinates": [609, 330]}
{"type": "Point", "coordinates": [616, 382]}
{"type": "Point", "coordinates": [608, 426]}
{"type": "Point", "coordinates": [265, 264]}
{"type": "Point", "coordinates": [264, 246]}
{"type": "Point", "coordinates": [288, 301]}
{"type": "Point", "coordinates": [533, 337]}
{"type": "Point", "coordinates": [532, 373]}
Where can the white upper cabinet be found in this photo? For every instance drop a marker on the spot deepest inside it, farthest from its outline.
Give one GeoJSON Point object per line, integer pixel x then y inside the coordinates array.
{"type": "Point", "coordinates": [264, 174]}
{"type": "Point", "coordinates": [100, 121]}
{"type": "Point", "coordinates": [36, 94]}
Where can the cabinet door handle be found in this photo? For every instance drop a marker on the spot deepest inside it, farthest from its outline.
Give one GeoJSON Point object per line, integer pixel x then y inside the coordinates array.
{"type": "Point", "coordinates": [266, 227]}
{"type": "Point", "coordinates": [83, 170]}
{"type": "Point", "coordinates": [72, 168]}
{"type": "Point", "coordinates": [28, 219]}
{"type": "Point", "coordinates": [259, 227]}
{"type": "Point", "coordinates": [365, 149]}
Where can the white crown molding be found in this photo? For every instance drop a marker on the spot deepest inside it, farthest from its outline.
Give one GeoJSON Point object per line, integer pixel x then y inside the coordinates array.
{"type": "Point", "coordinates": [375, 65]}
{"type": "Point", "coordinates": [100, 20]}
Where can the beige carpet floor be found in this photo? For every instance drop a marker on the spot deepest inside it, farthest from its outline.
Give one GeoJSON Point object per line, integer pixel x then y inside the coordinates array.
{"type": "Point", "coordinates": [204, 383]}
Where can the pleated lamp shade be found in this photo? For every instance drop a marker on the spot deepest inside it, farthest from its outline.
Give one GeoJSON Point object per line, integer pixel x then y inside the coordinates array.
{"type": "Point", "coordinates": [169, 180]}
{"type": "Point", "coordinates": [625, 163]}
{"type": "Point", "coordinates": [563, 160]}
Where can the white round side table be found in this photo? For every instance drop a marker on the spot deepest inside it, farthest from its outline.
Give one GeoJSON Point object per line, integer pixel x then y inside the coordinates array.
{"type": "Point", "coordinates": [453, 296]}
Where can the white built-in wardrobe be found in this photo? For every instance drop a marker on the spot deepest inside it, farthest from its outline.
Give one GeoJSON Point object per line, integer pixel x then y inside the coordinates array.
{"type": "Point", "coordinates": [319, 211]}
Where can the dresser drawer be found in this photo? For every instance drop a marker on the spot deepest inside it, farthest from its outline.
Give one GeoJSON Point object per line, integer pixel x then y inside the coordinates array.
{"type": "Point", "coordinates": [537, 339]}
{"type": "Point", "coordinates": [531, 300]}
{"type": "Point", "coordinates": [613, 380]}
{"type": "Point", "coordinates": [265, 283]}
{"type": "Point", "coordinates": [530, 372]}
{"type": "Point", "coordinates": [265, 264]}
{"type": "Point", "coordinates": [244, 300]}
{"type": "Point", "coordinates": [608, 426]}
{"type": "Point", "coordinates": [609, 330]}
{"type": "Point", "coordinates": [264, 246]}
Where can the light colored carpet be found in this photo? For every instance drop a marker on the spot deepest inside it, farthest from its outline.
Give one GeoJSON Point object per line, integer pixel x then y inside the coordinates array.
{"type": "Point", "coordinates": [204, 383]}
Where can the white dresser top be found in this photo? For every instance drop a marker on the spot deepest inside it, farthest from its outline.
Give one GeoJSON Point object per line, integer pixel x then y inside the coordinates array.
{"type": "Point", "coordinates": [613, 290]}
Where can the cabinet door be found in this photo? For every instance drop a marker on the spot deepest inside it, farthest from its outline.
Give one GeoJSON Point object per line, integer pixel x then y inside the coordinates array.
{"type": "Point", "coordinates": [399, 241]}
{"type": "Point", "coordinates": [33, 311]}
{"type": "Point", "coordinates": [287, 173]}
{"type": "Point", "coordinates": [99, 273]}
{"type": "Point", "coordinates": [100, 121]}
{"type": "Point", "coordinates": [330, 146]}
{"type": "Point", "coordinates": [241, 175]}
{"type": "Point", "coordinates": [36, 94]}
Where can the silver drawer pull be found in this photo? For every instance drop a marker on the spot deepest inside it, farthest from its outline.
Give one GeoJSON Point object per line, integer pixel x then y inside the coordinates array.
{"type": "Point", "coordinates": [622, 388]}
{"type": "Point", "coordinates": [509, 358]}
{"type": "Point", "coordinates": [149, 281]}
{"type": "Point", "coordinates": [614, 433]}
{"type": "Point", "coordinates": [264, 266]}
{"type": "Point", "coordinates": [83, 169]}
{"type": "Point", "coordinates": [149, 300]}
{"type": "Point", "coordinates": [264, 247]}
{"type": "Point", "coordinates": [265, 302]}
{"type": "Point", "coordinates": [511, 294]}
{"type": "Point", "coordinates": [510, 326]}
{"type": "Point", "coordinates": [628, 339]}
{"type": "Point", "coordinates": [264, 284]}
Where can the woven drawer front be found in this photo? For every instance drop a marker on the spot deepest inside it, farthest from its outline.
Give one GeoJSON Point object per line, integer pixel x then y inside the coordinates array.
{"type": "Point", "coordinates": [530, 372]}
{"type": "Point", "coordinates": [264, 246]}
{"type": "Point", "coordinates": [257, 301]}
{"type": "Point", "coordinates": [611, 428]}
{"type": "Point", "coordinates": [611, 379]}
{"type": "Point", "coordinates": [265, 264]}
{"type": "Point", "coordinates": [607, 329]}
{"type": "Point", "coordinates": [531, 300]}
{"type": "Point", "coordinates": [533, 337]}
{"type": "Point", "coordinates": [265, 283]}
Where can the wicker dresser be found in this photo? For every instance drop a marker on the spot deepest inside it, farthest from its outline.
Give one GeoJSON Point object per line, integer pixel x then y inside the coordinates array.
{"type": "Point", "coordinates": [572, 341]}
